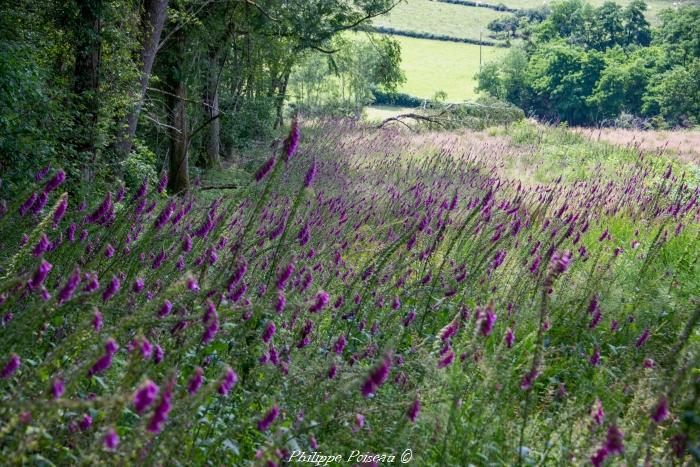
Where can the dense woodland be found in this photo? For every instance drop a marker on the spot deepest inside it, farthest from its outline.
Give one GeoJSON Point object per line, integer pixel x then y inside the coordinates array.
{"type": "Point", "coordinates": [119, 87]}
{"type": "Point", "coordinates": [591, 65]}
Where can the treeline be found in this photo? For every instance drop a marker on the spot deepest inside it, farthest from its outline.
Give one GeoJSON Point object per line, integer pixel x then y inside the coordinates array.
{"type": "Point", "coordinates": [436, 37]}
{"type": "Point", "coordinates": [493, 6]}
{"type": "Point", "coordinates": [587, 65]}
{"type": "Point", "coordinates": [122, 89]}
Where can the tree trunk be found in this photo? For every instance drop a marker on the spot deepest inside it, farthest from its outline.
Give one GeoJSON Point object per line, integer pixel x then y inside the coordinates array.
{"type": "Point", "coordinates": [282, 93]}
{"type": "Point", "coordinates": [178, 179]}
{"type": "Point", "coordinates": [178, 171]}
{"type": "Point", "coordinates": [152, 20]}
{"type": "Point", "coordinates": [86, 80]}
{"type": "Point", "coordinates": [211, 110]}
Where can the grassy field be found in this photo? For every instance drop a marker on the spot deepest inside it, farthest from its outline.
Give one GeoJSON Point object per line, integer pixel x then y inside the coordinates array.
{"type": "Point", "coordinates": [433, 66]}
{"type": "Point", "coordinates": [375, 113]}
{"type": "Point", "coordinates": [440, 18]}
{"type": "Point", "coordinates": [654, 6]}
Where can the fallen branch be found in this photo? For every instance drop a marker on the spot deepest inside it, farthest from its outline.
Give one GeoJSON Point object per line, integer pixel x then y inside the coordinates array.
{"type": "Point", "coordinates": [230, 186]}
{"type": "Point", "coordinates": [425, 118]}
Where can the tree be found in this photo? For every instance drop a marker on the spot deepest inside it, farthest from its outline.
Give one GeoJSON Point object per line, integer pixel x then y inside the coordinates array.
{"type": "Point", "coordinates": [675, 95]}
{"type": "Point", "coordinates": [152, 19]}
{"type": "Point", "coordinates": [637, 30]}
{"type": "Point", "coordinates": [679, 33]}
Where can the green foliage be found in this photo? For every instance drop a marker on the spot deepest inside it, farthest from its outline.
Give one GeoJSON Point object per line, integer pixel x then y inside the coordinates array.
{"type": "Point", "coordinates": [139, 166]}
{"type": "Point", "coordinates": [675, 95]}
{"type": "Point", "coordinates": [589, 65]}
{"type": "Point", "coordinates": [344, 82]}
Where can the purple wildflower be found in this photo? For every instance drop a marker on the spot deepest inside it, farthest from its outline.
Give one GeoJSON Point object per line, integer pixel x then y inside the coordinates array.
{"type": "Point", "coordinates": [111, 440]}
{"type": "Point", "coordinates": [58, 388]}
{"type": "Point", "coordinates": [642, 338]}
{"type": "Point", "coordinates": [196, 381]}
{"type": "Point", "coordinates": [487, 321]}
{"type": "Point", "coordinates": [164, 216]}
{"type": "Point", "coordinates": [529, 379]}
{"type": "Point", "coordinates": [446, 360]}
{"type": "Point", "coordinates": [510, 338]}
{"type": "Point", "coordinates": [376, 378]}
{"type": "Point", "coordinates": [97, 321]}
{"type": "Point", "coordinates": [40, 274]}
{"type": "Point", "coordinates": [145, 396]}
{"type": "Point", "coordinates": [85, 422]}
{"type": "Point", "coordinates": [24, 208]}
{"type": "Point", "coordinates": [111, 289]}
{"type": "Point", "coordinates": [271, 415]}
{"type": "Point", "coordinates": [269, 332]}
{"type": "Point", "coordinates": [10, 367]}
{"type": "Point", "coordinates": [42, 245]}
{"type": "Point", "coordinates": [284, 276]}
{"type": "Point", "coordinates": [165, 309]}
{"type": "Point", "coordinates": [340, 344]}
{"type": "Point", "coordinates": [55, 181]}
{"type": "Point", "coordinates": [310, 175]}
{"type": "Point", "coordinates": [138, 285]}
{"type": "Point", "coordinates": [322, 299]}
{"type": "Point", "coordinates": [105, 361]}
{"type": "Point", "coordinates": [60, 210]}
{"type": "Point", "coordinates": [228, 381]}
{"type": "Point", "coordinates": [413, 411]}
{"type": "Point", "coordinates": [160, 414]}
{"type": "Point", "coordinates": [158, 354]}
{"type": "Point", "coordinates": [281, 302]}
{"type": "Point", "coordinates": [597, 413]}
{"type": "Point", "coordinates": [660, 411]}
{"type": "Point", "coordinates": [162, 183]}
{"type": "Point", "coordinates": [265, 169]}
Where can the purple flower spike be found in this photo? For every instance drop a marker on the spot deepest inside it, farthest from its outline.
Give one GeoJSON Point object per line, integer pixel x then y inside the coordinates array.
{"type": "Point", "coordinates": [111, 289]}
{"type": "Point", "coordinates": [145, 396]}
{"type": "Point", "coordinates": [111, 440]}
{"type": "Point", "coordinates": [269, 418]}
{"type": "Point", "coordinates": [284, 276]}
{"type": "Point", "coordinates": [229, 380]}
{"type": "Point", "coordinates": [24, 208]}
{"type": "Point", "coordinates": [642, 338]}
{"type": "Point", "coordinates": [510, 338]}
{"type": "Point", "coordinates": [56, 181]}
{"type": "Point", "coordinates": [269, 332]}
{"type": "Point", "coordinates": [165, 309]}
{"type": "Point", "coordinates": [376, 378]}
{"type": "Point", "coordinates": [340, 344]}
{"type": "Point", "coordinates": [40, 274]}
{"type": "Point", "coordinates": [58, 388]}
{"type": "Point", "coordinates": [163, 183]}
{"type": "Point", "coordinates": [413, 411]}
{"type": "Point", "coordinates": [265, 169]}
{"type": "Point", "coordinates": [160, 414]}
{"type": "Point", "coordinates": [60, 210]}
{"type": "Point", "coordinates": [104, 362]}
{"type": "Point", "coordinates": [660, 411]}
{"type": "Point", "coordinates": [10, 367]}
{"type": "Point", "coordinates": [310, 175]}
{"type": "Point", "coordinates": [196, 381]}
{"type": "Point", "coordinates": [322, 299]}
{"type": "Point", "coordinates": [487, 321]}
{"type": "Point", "coordinates": [97, 321]}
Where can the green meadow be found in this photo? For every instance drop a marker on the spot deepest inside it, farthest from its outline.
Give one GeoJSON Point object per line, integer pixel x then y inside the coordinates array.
{"type": "Point", "coordinates": [448, 19]}
{"type": "Point", "coordinates": [433, 66]}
